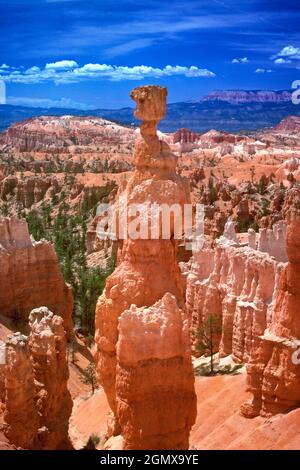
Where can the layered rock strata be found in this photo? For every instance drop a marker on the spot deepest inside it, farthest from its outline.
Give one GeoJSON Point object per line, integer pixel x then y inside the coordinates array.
{"type": "Point", "coordinates": [145, 378]}
{"type": "Point", "coordinates": [61, 135]}
{"type": "Point", "coordinates": [30, 275]}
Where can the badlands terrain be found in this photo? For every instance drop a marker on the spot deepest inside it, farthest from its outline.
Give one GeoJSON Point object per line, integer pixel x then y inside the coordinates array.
{"type": "Point", "coordinates": [105, 334]}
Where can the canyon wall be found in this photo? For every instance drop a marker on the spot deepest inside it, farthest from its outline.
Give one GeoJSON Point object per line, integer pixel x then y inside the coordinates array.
{"type": "Point", "coordinates": [143, 356]}
{"type": "Point", "coordinates": [37, 403]}
{"type": "Point", "coordinates": [29, 191]}
{"type": "Point", "coordinates": [273, 373]}
{"type": "Point", "coordinates": [237, 285]}
{"type": "Point", "coordinates": [30, 275]}
{"type": "Point", "coordinates": [253, 289]}
{"type": "Point", "coordinates": [60, 135]}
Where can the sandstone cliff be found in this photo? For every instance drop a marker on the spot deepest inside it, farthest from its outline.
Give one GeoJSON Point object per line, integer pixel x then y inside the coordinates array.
{"type": "Point", "coordinates": [147, 285]}
{"type": "Point", "coordinates": [237, 285]}
{"type": "Point", "coordinates": [58, 135]}
{"type": "Point", "coordinates": [28, 191]}
{"type": "Point", "coordinates": [30, 275]}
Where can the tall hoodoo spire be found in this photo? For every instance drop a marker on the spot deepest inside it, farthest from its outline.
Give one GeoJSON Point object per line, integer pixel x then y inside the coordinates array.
{"type": "Point", "coordinates": [143, 354]}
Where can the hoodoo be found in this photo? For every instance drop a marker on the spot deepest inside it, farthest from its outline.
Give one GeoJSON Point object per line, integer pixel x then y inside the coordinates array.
{"type": "Point", "coordinates": [38, 403]}
{"type": "Point", "coordinates": [143, 355]}
{"type": "Point", "coordinates": [21, 417]}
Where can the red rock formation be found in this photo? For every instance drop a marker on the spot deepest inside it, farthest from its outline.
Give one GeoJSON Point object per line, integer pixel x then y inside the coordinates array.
{"type": "Point", "coordinates": [288, 125]}
{"type": "Point", "coordinates": [213, 138]}
{"type": "Point", "coordinates": [185, 136]}
{"type": "Point", "coordinates": [47, 343]}
{"type": "Point", "coordinates": [30, 275]}
{"type": "Point", "coordinates": [273, 370]}
{"type": "Point", "coordinates": [146, 272]}
{"type": "Point", "coordinates": [154, 377]}
{"type": "Point", "coordinates": [7, 186]}
{"type": "Point", "coordinates": [20, 415]}
{"type": "Point", "coordinates": [58, 135]}
{"type": "Point", "coordinates": [30, 190]}
{"type": "Point", "coordinates": [38, 404]}
{"type": "Point", "coordinates": [236, 285]}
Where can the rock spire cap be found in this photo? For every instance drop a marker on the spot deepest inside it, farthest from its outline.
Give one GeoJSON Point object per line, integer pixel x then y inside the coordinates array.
{"type": "Point", "coordinates": [150, 101]}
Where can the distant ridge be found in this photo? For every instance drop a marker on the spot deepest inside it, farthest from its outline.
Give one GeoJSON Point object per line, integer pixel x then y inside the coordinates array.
{"type": "Point", "coordinates": [229, 110]}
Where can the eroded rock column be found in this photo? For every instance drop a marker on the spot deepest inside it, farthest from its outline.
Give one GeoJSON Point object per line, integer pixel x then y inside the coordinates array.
{"type": "Point", "coordinates": [47, 342]}
{"type": "Point", "coordinates": [146, 378]}
{"type": "Point", "coordinates": [20, 416]}
{"type": "Point", "coordinates": [38, 403]}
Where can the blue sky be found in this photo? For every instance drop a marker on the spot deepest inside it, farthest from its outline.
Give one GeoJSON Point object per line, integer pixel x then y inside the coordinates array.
{"type": "Point", "coordinates": [90, 54]}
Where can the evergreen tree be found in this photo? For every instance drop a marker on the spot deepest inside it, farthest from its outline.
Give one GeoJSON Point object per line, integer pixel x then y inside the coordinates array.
{"type": "Point", "coordinates": [206, 336]}
{"type": "Point", "coordinates": [89, 377]}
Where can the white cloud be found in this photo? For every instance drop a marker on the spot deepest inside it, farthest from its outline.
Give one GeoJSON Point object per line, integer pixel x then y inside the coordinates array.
{"type": "Point", "coordinates": [94, 68]}
{"type": "Point", "coordinates": [241, 60]}
{"type": "Point", "coordinates": [282, 61]}
{"type": "Point", "coordinates": [287, 54]}
{"type": "Point", "coordinates": [66, 72]}
{"type": "Point", "coordinates": [62, 64]}
{"type": "Point", "coordinates": [4, 66]}
{"type": "Point", "coordinates": [33, 69]}
{"type": "Point", "coordinates": [263, 70]}
{"type": "Point", "coordinates": [192, 71]}
{"type": "Point", "coordinates": [290, 51]}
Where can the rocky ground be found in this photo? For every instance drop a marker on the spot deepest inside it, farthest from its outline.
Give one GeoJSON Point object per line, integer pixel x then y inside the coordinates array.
{"type": "Point", "coordinates": [219, 424]}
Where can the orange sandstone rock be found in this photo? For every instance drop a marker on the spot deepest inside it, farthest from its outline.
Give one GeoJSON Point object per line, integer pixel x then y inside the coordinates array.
{"type": "Point", "coordinates": [154, 377]}
{"type": "Point", "coordinates": [48, 347]}
{"type": "Point", "coordinates": [30, 275]}
{"type": "Point", "coordinates": [147, 270]}
{"type": "Point", "coordinates": [38, 404]}
{"type": "Point", "coordinates": [236, 285]}
{"type": "Point", "coordinates": [273, 370]}
{"type": "Point", "coordinates": [21, 417]}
